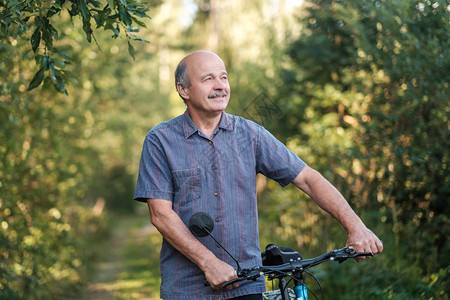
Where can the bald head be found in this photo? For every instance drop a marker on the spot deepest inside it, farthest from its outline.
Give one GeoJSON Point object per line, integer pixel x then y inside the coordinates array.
{"type": "Point", "coordinates": [199, 53]}
{"type": "Point", "coordinates": [181, 72]}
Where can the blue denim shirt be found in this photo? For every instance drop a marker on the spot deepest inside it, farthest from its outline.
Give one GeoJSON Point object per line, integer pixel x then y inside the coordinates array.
{"type": "Point", "coordinates": [216, 175]}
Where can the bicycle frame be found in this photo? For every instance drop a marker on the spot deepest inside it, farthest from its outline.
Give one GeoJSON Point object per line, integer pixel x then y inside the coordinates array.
{"type": "Point", "coordinates": [300, 291]}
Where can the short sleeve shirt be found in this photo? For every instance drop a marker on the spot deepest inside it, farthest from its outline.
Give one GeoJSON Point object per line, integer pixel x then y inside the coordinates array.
{"type": "Point", "coordinates": [216, 175]}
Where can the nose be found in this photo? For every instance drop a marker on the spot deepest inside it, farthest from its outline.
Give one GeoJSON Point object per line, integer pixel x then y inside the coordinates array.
{"type": "Point", "coordinates": [220, 84]}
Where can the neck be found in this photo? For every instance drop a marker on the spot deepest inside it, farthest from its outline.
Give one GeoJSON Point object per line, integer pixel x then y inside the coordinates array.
{"type": "Point", "coordinates": [207, 122]}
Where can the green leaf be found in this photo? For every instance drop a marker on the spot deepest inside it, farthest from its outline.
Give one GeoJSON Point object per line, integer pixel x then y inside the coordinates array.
{"type": "Point", "coordinates": [57, 81]}
{"type": "Point", "coordinates": [60, 85]}
{"type": "Point", "coordinates": [64, 55]}
{"type": "Point", "coordinates": [99, 21]}
{"type": "Point", "coordinates": [116, 30]}
{"type": "Point", "coordinates": [95, 3]}
{"type": "Point", "coordinates": [38, 58]}
{"type": "Point", "coordinates": [12, 3]}
{"type": "Point", "coordinates": [132, 29]}
{"type": "Point", "coordinates": [59, 63]}
{"type": "Point", "coordinates": [124, 15]}
{"type": "Point", "coordinates": [84, 10]}
{"type": "Point", "coordinates": [36, 39]}
{"type": "Point", "coordinates": [139, 22]}
{"type": "Point", "coordinates": [47, 37]}
{"type": "Point", "coordinates": [74, 9]}
{"type": "Point", "coordinates": [113, 17]}
{"type": "Point", "coordinates": [53, 31]}
{"type": "Point", "coordinates": [110, 3]}
{"type": "Point", "coordinates": [131, 50]}
{"type": "Point", "coordinates": [37, 79]}
{"type": "Point", "coordinates": [53, 72]}
{"type": "Point", "coordinates": [87, 29]}
{"type": "Point", "coordinates": [137, 38]}
{"type": "Point", "coordinates": [46, 62]}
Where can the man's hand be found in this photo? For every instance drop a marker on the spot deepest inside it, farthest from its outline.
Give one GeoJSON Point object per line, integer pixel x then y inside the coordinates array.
{"type": "Point", "coordinates": [364, 240]}
{"type": "Point", "coordinates": [176, 233]}
{"type": "Point", "coordinates": [219, 272]}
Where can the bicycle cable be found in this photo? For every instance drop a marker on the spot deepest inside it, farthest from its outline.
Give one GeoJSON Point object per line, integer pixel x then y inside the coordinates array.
{"type": "Point", "coordinates": [318, 283]}
{"type": "Point", "coordinates": [303, 283]}
{"type": "Point", "coordinates": [292, 278]}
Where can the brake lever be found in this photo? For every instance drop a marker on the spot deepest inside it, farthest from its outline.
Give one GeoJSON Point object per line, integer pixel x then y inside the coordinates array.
{"type": "Point", "coordinates": [361, 254]}
{"type": "Point", "coordinates": [233, 281]}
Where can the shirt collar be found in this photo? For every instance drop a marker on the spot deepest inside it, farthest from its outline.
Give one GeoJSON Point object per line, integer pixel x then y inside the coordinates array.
{"type": "Point", "coordinates": [190, 128]}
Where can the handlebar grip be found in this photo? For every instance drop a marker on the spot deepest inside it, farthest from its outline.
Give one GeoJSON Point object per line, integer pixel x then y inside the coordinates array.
{"type": "Point", "coordinates": [206, 283]}
{"type": "Point", "coordinates": [232, 281]}
{"type": "Point", "coordinates": [352, 252]}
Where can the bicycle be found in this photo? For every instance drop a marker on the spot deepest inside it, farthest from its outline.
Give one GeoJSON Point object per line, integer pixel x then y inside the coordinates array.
{"type": "Point", "coordinates": [278, 263]}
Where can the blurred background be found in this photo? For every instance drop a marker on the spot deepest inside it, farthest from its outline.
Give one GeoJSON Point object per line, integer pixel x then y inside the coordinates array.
{"type": "Point", "coordinates": [358, 89]}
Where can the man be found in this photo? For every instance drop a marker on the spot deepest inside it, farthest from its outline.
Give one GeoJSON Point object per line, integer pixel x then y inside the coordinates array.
{"type": "Point", "coordinates": [207, 160]}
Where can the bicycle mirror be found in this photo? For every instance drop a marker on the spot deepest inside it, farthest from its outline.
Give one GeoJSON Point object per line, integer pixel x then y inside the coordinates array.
{"type": "Point", "coordinates": [201, 224]}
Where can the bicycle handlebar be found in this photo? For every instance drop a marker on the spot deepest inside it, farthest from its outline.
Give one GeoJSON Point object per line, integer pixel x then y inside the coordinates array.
{"type": "Point", "coordinates": [201, 224]}
{"type": "Point", "coordinates": [300, 265]}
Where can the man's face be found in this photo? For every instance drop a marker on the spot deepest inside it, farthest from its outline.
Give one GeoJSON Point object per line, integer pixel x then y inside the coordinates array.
{"type": "Point", "coordinates": [209, 91]}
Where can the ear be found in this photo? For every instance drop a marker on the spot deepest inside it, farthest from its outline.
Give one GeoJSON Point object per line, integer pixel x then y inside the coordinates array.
{"type": "Point", "coordinates": [182, 91]}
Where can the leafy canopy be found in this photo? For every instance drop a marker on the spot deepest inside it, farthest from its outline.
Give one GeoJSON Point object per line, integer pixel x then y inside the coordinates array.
{"type": "Point", "coordinates": [35, 20]}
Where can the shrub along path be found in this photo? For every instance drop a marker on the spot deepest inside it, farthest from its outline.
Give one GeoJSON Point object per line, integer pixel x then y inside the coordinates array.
{"type": "Point", "coordinates": [128, 265]}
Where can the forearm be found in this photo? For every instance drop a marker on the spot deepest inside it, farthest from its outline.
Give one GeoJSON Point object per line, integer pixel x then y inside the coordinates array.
{"type": "Point", "coordinates": [332, 201]}
{"type": "Point", "coordinates": [328, 198]}
{"type": "Point", "coordinates": [175, 232]}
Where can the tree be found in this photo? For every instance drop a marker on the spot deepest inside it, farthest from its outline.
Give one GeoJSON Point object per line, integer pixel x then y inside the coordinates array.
{"type": "Point", "coordinates": [18, 18]}
{"type": "Point", "coordinates": [47, 162]}
{"type": "Point", "coordinates": [371, 80]}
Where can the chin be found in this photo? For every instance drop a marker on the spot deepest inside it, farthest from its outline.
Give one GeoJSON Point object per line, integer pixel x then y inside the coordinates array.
{"type": "Point", "coordinates": [219, 104]}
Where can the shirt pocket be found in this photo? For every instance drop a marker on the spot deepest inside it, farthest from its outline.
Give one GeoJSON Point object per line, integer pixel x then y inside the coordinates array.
{"type": "Point", "coordinates": [187, 186]}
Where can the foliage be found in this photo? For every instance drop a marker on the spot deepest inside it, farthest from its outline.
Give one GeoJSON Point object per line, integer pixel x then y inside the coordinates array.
{"type": "Point", "coordinates": [50, 210]}
{"type": "Point", "coordinates": [41, 175]}
{"type": "Point", "coordinates": [357, 88]}
{"type": "Point", "coordinates": [21, 17]}
{"type": "Point", "coordinates": [371, 89]}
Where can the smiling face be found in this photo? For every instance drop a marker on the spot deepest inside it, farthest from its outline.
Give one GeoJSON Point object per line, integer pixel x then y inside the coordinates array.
{"type": "Point", "coordinates": [209, 90]}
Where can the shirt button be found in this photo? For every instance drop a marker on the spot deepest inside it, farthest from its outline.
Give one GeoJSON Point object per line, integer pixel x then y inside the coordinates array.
{"type": "Point", "coordinates": [216, 194]}
{"type": "Point", "coordinates": [217, 219]}
{"type": "Point", "coordinates": [213, 168]}
{"type": "Point", "coordinates": [210, 142]}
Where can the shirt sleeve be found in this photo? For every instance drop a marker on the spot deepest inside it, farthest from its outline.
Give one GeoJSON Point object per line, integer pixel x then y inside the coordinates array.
{"type": "Point", "coordinates": [154, 177]}
{"type": "Point", "coordinates": [275, 160]}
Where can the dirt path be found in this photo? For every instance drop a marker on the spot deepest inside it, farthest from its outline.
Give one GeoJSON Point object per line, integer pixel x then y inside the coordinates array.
{"type": "Point", "coordinates": [129, 265]}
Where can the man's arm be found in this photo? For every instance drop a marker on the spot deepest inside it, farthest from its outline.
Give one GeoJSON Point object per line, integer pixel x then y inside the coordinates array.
{"type": "Point", "coordinates": [331, 200]}
{"type": "Point", "coordinates": [175, 232]}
